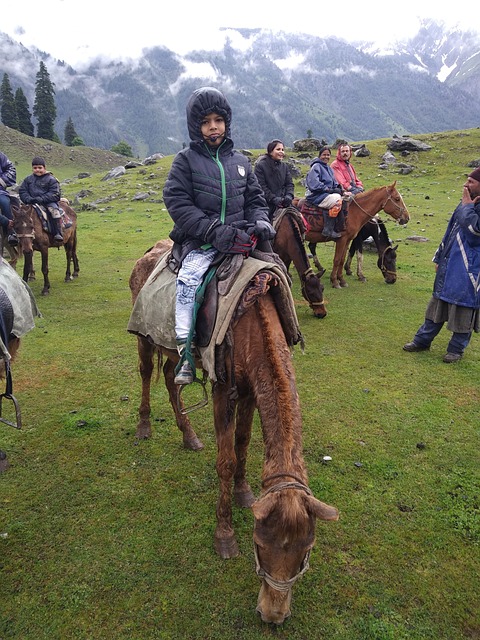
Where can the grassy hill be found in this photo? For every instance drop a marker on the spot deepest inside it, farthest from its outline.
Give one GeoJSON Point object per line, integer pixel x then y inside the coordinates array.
{"type": "Point", "coordinates": [105, 537]}
{"type": "Point", "coordinates": [64, 162]}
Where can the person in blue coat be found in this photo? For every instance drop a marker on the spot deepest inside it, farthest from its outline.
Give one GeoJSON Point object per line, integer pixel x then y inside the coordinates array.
{"type": "Point", "coordinates": [216, 204]}
{"type": "Point", "coordinates": [456, 289]}
{"type": "Point", "coordinates": [324, 191]}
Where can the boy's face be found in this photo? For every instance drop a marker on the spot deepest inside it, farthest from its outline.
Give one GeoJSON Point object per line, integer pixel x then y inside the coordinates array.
{"type": "Point", "coordinates": [213, 129]}
{"type": "Point", "coordinates": [39, 169]}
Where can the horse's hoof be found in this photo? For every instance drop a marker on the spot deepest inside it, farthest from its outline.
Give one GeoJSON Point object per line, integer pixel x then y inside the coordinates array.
{"type": "Point", "coordinates": [194, 443]}
{"type": "Point", "coordinates": [244, 499]}
{"type": "Point", "coordinates": [336, 285]}
{"type": "Point", "coordinates": [227, 547]}
{"type": "Point", "coordinates": [362, 279]}
{"type": "Point", "coordinates": [143, 434]}
{"type": "Point", "coordinates": [343, 284]}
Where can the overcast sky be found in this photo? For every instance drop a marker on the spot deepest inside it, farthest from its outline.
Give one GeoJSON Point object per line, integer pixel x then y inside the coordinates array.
{"type": "Point", "coordinates": [77, 30]}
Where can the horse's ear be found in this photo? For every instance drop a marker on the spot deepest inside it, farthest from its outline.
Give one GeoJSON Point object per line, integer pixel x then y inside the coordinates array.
{"type": "Point", "coordinates": [321, 510]}
{"type": "Point", "coordinates": [395, 248]}
{"type": "Point", "coordinates": [262, 507]}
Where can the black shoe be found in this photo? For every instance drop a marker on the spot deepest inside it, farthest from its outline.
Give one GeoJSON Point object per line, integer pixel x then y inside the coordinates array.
{"type": "Point", "coordinates": [58, 238]}
{"type": "Point", "coordinates": [452, 357]}
{"type": "Point", "coordinates": [413, 346]}
{"type": "Point", "coordinates": [12, 239]}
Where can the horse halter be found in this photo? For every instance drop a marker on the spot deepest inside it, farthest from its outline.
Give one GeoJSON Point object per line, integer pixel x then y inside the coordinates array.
{"type": "Point", "coordinates": [401, 209]}
{"type": "Point", "coordinates": [383, 268]}
{"type": "Point", "coordinates": [308, 274]}
{"type": "Point", "coordinates": [282, 585]}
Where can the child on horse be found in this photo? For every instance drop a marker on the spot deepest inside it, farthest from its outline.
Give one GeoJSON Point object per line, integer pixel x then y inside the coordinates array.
{"type": "Point", "coordinates": [216, 203]}
{"type": "Point", "coordinates": [41, 187]}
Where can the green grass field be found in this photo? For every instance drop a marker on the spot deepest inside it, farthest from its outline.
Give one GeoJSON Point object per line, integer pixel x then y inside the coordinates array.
{"type": "Point", "coordinates": [104, 538]}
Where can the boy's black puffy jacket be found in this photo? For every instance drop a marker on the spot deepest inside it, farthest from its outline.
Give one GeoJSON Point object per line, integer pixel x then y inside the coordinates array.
{"type": "Point", "coordinates": [203, 182]}
{"type": "Point", "coordinates": [40, 189]}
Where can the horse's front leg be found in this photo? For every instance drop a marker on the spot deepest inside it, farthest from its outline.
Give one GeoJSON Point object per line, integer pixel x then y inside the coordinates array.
{"type": "Point", "coordinates": [190, 438]}
{"type": "Point", "coordinates": [224, 416]}
{"type": "Point", "coordinates": [242, 492]}
{"type": "Point", "coordinates": [46, 281]}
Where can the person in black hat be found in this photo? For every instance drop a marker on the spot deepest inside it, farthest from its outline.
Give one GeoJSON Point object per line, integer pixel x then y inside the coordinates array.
{"type": "Point", "coordinates": [456, 289]}
{"type": "Point", "coordinates": [216, 204]}
{"type": "Point", "coordinates": [41, 187]}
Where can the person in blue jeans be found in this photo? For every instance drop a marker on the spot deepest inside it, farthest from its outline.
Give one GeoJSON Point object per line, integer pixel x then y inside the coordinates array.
{"type": "Point", "coordinates": [8, 177]}
{"type": "Point", "coordinates": [216, 204]}
{"type": "Point", "coordinates": [456, 289]}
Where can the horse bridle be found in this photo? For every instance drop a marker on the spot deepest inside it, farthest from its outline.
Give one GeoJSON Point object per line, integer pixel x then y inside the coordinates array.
{"type": "Point", "coordinates": [401, 209]}
{"type": "Point", "coordinates": [308, 274]}
{"type": "Point", "coordinates": [282, 585]}
{"type": "Point", "coordinates": [383, 268]}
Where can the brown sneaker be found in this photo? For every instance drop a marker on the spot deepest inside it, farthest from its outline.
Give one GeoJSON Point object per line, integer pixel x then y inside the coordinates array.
{"type": "Point", "coordinates": [452, 357]}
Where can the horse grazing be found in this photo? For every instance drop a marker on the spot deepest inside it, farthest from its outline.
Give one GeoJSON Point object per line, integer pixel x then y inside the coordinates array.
{"type": "Point", "coordinates": [32, 237]}
{"type": "Point", "coordinates": [257, 373]}
{"type": "Point", "coordinates": [387, 253]}
{"type": "Point", "coordinates": [289, 245]}
{"type": "Point", "coordinates": [362, 208]}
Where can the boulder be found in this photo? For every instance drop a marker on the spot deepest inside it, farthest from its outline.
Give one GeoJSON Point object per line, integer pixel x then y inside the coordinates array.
{"type": "Point", "coordinates": [405, 143]}
{"type": "Point", "coordinates": [309, 144]}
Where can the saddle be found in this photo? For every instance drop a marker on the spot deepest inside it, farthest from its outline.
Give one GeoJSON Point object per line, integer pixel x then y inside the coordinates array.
{"type": "Point", "coordinates": [153, 319]}
{"type": "Point", "coordinates": [317, 211]}
{"type": "Point", "coordinates": [46, 219]}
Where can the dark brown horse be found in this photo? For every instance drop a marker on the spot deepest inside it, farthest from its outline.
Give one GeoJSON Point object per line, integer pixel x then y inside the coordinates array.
{"type": "Point", "coordinates": [361, 209]}
{"type": "Point", "coordinates": [289, 245]}
{"type": "Point", "coordinates": [387, 253]}
{"type": "Point", "coordinates": [33, 237]}
{"type": "Point", "coordinates": [258, 374]}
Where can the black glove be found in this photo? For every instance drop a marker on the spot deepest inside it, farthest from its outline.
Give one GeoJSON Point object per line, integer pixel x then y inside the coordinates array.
{"type": "Point", "coordinates": [227, 239]}
{"type": "Point", "coordinates": [263, 230]}
{"type": "Point", "coordinates": [27, 200]}
{"type": "Point", "coordinates": [287, 201]}
{"type": "Point", "coordinates": [277, 202]}
{"type": "Point", "coordinates": [337, 190]}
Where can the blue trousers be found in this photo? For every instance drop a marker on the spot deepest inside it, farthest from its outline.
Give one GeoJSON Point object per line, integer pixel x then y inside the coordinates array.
{"type": "Point", "coordinates": [6, 210]}
{"type": "Point", "coordinates": [429, 330]}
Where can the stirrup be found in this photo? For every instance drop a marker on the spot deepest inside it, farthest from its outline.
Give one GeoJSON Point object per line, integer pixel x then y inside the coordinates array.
{"type": "Point", "coordinates": [197, 405]}
{"type": "Point", "coordinates": [18, 417]}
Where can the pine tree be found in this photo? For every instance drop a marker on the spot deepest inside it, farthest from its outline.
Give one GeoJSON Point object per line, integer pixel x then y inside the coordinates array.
{"type": "Point", "coordinates": [44, 108]}
{"type": "Point", "coordinates": [8, 110]}
{"type": "Point", "coordinates": [69, 133]}
{"type": "Point", "coordinates": [23, 113]}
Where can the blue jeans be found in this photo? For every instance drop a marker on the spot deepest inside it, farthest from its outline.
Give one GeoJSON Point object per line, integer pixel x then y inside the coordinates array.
{"type": "Point", "coordinates": [6, 210]}
{"type": "Point", "coordinates": [194, 267]}
{"type": "Point", "coordinates": [429, 330]}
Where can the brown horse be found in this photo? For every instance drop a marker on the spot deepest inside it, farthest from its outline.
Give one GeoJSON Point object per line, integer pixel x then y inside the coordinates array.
{"type": "Point", "coordinates": [289, 245]}
{"type": "Point", "coordinates": [33, 237]}
{"type": "Point", "coordinates": [361, 209]}
{"type": "Point", "coordinates": [258, 374]}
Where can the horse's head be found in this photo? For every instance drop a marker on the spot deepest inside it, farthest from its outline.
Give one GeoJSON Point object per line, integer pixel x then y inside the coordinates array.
{"type": "Point", "coordinates": [394, 204]}
{"type": "Point", "coordinates": [284, 535]}
{"type": "Point", "coordinates": [387, 263]}
{"type": "Point", "coordinates": [24, 226]}
{"type": "Point", "coordinates": [312, 291]}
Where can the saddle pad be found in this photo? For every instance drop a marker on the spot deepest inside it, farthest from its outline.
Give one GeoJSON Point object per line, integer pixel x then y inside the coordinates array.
{"type": "Point", "coordinates": [153, 314]}
{"type": "Point", "coordinates": [21, 299]}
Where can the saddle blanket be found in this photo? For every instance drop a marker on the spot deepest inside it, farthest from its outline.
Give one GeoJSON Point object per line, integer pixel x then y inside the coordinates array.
{"type": "Point", "coordinates": [153, 314]}
{"type": "Point", "coordinates": [45, 218]}
{"type": "Point", "coordinates": [21, 303]}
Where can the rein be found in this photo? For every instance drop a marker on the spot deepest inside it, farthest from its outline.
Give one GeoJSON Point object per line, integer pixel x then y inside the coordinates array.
{"type": "Point", "coordinates": [401, 209]}
{"type": "Point", "coordinates": [282, 585]}
{"type": "Point", "coordinates": [383, 268]}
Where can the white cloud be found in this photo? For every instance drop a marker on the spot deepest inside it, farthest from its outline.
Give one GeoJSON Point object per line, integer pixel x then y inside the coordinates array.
{"type": "Point", "coordinates": [76, 32]}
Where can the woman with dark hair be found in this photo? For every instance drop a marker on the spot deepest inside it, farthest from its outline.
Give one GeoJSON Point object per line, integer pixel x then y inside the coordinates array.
{"type": "Point", "coordinates": [274, 177]}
